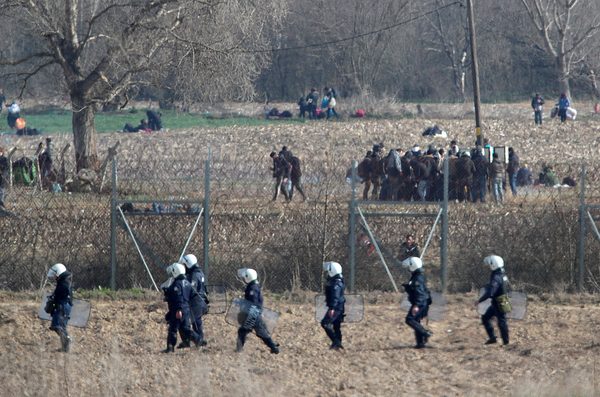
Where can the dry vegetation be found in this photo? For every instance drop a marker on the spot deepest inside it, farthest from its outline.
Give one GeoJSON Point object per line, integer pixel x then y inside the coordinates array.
{"type": "Point", "coordinates": [553, 352]}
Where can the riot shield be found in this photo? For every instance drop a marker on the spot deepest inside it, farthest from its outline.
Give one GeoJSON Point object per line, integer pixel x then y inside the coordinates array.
{"type": "Point", "coordinates": [217, 295]}
{"type": "Point", "coordinates": [165, 286]}
{"type": "Point", "coordinates": [80, 312]}
{"type": "Point", "coordinates": [437, 309]}
{"type": "Point", "coordinates": [198, 307]}
{"type": "Point", "coordinates": [239, 310]}
{"type": "Point", "coordinates": [354, 308]}
{"type": "Point", "coordinates": [518, 301]}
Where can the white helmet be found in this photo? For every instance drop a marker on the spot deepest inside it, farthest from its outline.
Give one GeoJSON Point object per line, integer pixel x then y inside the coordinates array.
{"type": "Point", "coordinates": [56, 270]}
{"type": "Point", "coordinates": [413, 263]}
{"type": "Point", "coordinates": [169, 270]}
{"type": "Point", "coordinates": [247, 275]}
{"type": "Point", "coordinates": [494, 262]}
{"type": "Point", "coordinates": [189, 261]}
{"type": "Point", "coordinates": [332, 268]}
{"type": "Point", "coordinates": [177, 269]}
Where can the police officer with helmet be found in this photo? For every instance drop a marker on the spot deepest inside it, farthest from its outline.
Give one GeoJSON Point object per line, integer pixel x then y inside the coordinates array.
{"type": "Point", "coordinates": [496, 288]}
{"type": "Point", "coordinates": [178, 297]}
{"type": "Point", "coordinates": [254, 296]}
{"type": "Point", "coordinates": [195, 277]}
{"type": "Point", "coordinates": [334, 298]}
{"type": "Point", "coordinates": [60, 303]}
{"type": "Point", "coordinates": [419, 298]}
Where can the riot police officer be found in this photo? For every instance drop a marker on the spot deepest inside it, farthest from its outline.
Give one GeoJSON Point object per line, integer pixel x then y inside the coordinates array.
{"type": "Point", "coordinates": [178, 298]}
{"type": "Point", "coordinates": [61, 303]}
{"type": "Point", "coordinates": [254, 296]}
{"type": "Point", "coordinates": [419, 298]}
{"type": "Point", "coordinates": [195, 277]}
{"type": "Point", "coordinates": [496, 288]}
{"type": "Point", "coordinates": [334, 299]}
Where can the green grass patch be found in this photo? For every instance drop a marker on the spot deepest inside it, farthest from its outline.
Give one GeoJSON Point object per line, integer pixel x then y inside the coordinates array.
{"type": "Point", "coordinates": [54, 121]}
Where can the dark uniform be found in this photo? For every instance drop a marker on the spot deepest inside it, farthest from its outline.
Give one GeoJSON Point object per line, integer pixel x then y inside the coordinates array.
{"type": "Point", "coordinates": [63, 300]}
{"type": "Point", "coordinates": [254, 296]}
{"type": "Point", "coordinates": [418, 296]}
{"type": "Point", "coordinates": [334, 298]}
{"type": "Point", "coordinates": [494, 289]}
{"type": "Point", "coordinates": [408, 250]}
{"type": "Point", "coordinates": [178, 297]}
{"type": "Point", "coordinates": [198, 305]}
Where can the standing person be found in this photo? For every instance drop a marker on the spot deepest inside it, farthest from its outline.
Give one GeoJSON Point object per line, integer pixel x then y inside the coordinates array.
{"type": "Point", "coordinates": [302, 103]}
{"type": "Point", "coordinates": [254, 296]}
{"type": "Point", "coordinates": [495, 289]}
{"type": "Point", "coordinates": [195, 276]}
{"type": "Point", "coordinates": [62, 302]}
{"type": "Point", "coordinates": [394, 171]}
{"type": "Point", "coordinates": [267, 109]}
{"type": "Point", "coordinates": [281, 171]}
{"type": "Point", "coordinates": [4, 167]}
{"type": "Point", "coordinates": [536, 104]}
{"type": "Point", "coordinates": [334, 299]}
{"type": "Point", "coordinates": [482, 169]}
{"type": "Point", "coordinates": [331, 95]}
{"type": "Point", "coordinates": [563, 104]}
{"type": "Point", "coordinates": [464, 178]}
{"type": "Point", "coordinates": [512, 169]}
{"type": "Point", "coordinates": [408, 249]}
{"type": "Point", "coordinates": [2, 98]}
{"type": "Point", "coordinates": [376, 171]}
{"type": "Point", "coordinates": [496, 176]}
{"type": "Point", "coordinates": [312, 99]}
{"type": "Point", "coordinates": [364, 172]}
{"type": "Point", "coordinates": [418, 296]}
{"type": "Point", "coordinates": [178, 297]}
{"type": "Point", "coordinates": [13, 114]}
{"type": "Point", "coordinates": [295, 177]}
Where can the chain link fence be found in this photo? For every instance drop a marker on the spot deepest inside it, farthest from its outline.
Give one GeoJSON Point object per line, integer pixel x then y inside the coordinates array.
{"type": "Point", "coordinates": [537, 232]}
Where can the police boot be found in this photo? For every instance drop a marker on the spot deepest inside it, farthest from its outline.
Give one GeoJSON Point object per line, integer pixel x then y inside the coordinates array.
{"type": "Point", "coordinates": [272, 345]}
{"type": "Point", "coordinates": [65, 341]}
{"type": "Point", "coordinates": [504, 334]}
{"type": "Point", "coordinates": [170, 348]}
{"type": "Point", "coordinates": [337, 345]}
{"type": "Point", "coordinates": [201, 343]}
{"type": "Point", "coordinates": [419, 338]}
{"type": "Point", "coordinates": [184, 345]}
{"type": "Point", "coordinates": [426, 336]}
{"type": "Point", "coordinates": [239, 346]}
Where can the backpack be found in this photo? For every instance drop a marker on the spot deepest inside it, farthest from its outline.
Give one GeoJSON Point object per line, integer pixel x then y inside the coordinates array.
{"type": "Point", "coordinates": [334, 92]}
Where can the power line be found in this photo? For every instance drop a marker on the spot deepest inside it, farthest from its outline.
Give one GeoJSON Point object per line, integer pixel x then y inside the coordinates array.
{"type": "Point", "coordinates": [327, 43]}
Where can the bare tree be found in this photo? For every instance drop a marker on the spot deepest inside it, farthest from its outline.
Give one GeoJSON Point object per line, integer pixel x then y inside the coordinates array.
{"type": "Point", "coordinates": [565, 28]}
{"type": "Point", "coordinates": [96, 49]}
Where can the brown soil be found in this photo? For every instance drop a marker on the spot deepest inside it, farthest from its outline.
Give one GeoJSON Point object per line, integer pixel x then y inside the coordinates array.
{"type": "Point", "coordinates": [553, 352]}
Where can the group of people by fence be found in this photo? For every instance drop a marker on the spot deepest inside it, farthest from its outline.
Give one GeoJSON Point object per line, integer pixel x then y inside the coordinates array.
{"type": "Point", "coordinates": [413, 175]}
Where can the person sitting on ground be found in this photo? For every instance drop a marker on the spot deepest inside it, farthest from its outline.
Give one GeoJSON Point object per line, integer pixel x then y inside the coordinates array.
{"type": "Point", "coordinates": [154, 120]}
{"type": "Point", "coordinates": [142, 127]}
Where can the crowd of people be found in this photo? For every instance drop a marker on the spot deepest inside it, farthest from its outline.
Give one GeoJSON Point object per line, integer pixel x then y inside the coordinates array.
{"type": "Point", "coordinates": [413, 175]}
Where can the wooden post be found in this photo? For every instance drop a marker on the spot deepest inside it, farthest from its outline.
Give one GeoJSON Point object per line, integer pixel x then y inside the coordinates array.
{"type": "Point", "coordinates": [475, 70]}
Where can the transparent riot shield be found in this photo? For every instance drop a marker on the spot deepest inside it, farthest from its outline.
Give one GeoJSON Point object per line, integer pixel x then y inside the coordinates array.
{"type": "Point", "coordinates": [80, 312]}
{"type": "Point", "coordinates": [217, 296]}
{"type": "Point", "coordinates": [437, 309]}
{"type": "Point", "coordinates": [518, 301]}
{"type": "Point", "coordinates": [354, 308]}
{"type": "Point", "coordinates": [240, 310]}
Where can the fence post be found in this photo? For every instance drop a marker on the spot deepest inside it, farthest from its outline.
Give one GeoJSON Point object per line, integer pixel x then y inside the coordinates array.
{"type": "Point", "coordinates": [582, 210]}
{"type": "Point", "coordinates": [351, 226]}
{"type": "Point", "coordinates": [113, 228]}
{"type": "Point", "coordinates": [444, 242]}
{"type": "Point", "coordinates": [205, 238]}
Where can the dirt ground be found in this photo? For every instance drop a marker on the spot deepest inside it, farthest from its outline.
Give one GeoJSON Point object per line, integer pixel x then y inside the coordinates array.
{"type": "Point", "coordinates": [553, 352]}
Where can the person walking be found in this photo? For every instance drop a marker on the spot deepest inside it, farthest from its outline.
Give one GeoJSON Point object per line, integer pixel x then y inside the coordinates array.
{"type": "Point", "coordinates": [536, 104]}
{"type": "Point", "coordinates": [563, 104]}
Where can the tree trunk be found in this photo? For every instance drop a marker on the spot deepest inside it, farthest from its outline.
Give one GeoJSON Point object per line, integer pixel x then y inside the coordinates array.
{"type": "Point", "coordinates": [84, 134]}
{"type": "Point", "coordinates": [563, 75]}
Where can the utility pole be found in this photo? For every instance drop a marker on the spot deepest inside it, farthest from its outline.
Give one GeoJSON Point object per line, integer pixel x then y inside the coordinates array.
{"type": "Point", "coordinates": [475, 70]}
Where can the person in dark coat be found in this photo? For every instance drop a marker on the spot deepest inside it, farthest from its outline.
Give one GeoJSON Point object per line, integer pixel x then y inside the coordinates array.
{"type": "Point", "coordinates": [512, 170]}
{"type": "Point", "coordinates": [254, 296]}
{"type": "Point", "coordinates": [198, 300]}
{"type": "Point", "coordinates": [281, 171]}
{"type": "Point", "coordinates": [418, 296]}
{"type": "Point", "coordinates": [312, 99]}
{"type": "Point", "coordinates": [496, 287]}
{"type": "Point", "coordinates": [536, 104]}
{"type": "Point", "coordinates": [464, 175]}
{"type": "Point", "coordinates": [482, 169]}
{"type": "Point", "coordinates": [154, 120]}
{"type": "Point", "coordinates": [334, 299]}
{"type": "Point", "coordinates": [303, 105]}
{"type": "Point", "coordinates": [364, 170]}
{"type": "Point", "coordinates": [376, 171]}
{"type": "Point", "coordinates": [563, 104]}
{"type": "Point", "coordinates": [62, 300]}
{"type": "Point", "coordinates": [408, 249]}
{"type": "Point", "coordinates": [4, 167]}
{"type": "Point", "coordinates": [178, 297]}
